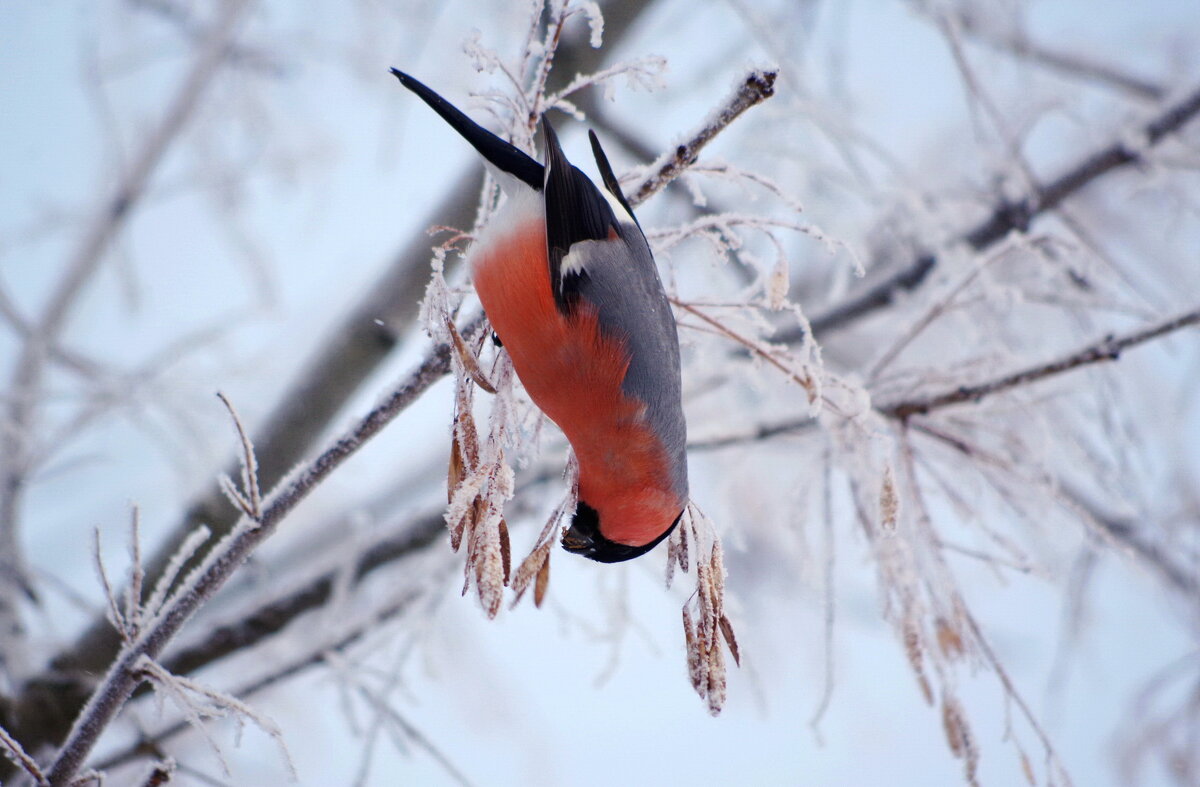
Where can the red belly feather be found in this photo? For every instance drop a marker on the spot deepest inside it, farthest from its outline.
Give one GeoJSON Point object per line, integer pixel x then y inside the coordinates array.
{"type": "Point", "coordinates": [574, 374]}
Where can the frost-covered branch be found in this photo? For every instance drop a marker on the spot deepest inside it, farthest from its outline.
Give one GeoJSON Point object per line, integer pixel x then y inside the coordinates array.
{"type": "Point", "coordinates": [198, 702]}
{"type": "Point", "coordinates": [268, 619]}
{"type": "Point", "coordinates": [13, 751]}
{"type": "Point", "coordinates": [1011, 215]}
{"type": "Point", "coordinates": [366, 338]}
{"type": "Point", "coordinates": [352, 351]}
{"type": "Point", "coordinates": [315, 656]}
{"type": "Point", "coordinates": [125, 673]}
{"type": "Point", "coordinates": [110, 216]}
{"type": "Point", "coordinates": [757, 87]}
{"type": "Point", "coordinates": [1067, 63]}
{"type": "Point", "coordinates": [1107, 349]}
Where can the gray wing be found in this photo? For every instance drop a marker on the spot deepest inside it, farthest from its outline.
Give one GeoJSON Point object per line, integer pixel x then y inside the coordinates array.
{"type": "Point", "coordinates": [622, 282]}
{"type": "Point", "coordinates": [598, 255]}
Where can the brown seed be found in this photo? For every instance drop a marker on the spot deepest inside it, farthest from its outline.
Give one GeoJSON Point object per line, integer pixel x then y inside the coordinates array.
{"type": "Point", "coordinates": [543, 581]}
{"type": "Point", "coordinates": [730, 640]}
{"type": "Point", "coordinates": [505, 550]}
{"type": "Point", "coordinates": [469, 361]}
{"type": "Point", "coordinates": [949, 639]}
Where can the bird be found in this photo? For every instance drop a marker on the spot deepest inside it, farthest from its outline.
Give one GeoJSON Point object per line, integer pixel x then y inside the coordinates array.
{"type": "Point", "coordinates": [568, 282]}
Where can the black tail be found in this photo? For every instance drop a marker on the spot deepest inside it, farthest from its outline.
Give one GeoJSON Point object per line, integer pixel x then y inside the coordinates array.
{"type": "Point", "coordinates": [606, 173]}
{"type": "Point", "coordinates": [501, 154]}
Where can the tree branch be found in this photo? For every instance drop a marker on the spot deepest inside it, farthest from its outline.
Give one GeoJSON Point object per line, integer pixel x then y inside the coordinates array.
{"type": "Point", "coordinates": [270, 618]}
{"type": "Point", "coordinates": [756, 88]}
{"type": "Point", "coordinates": [16, 754]}
{"type": "Point", "coordinates": [109, 218]}
{"type": "Point", "coordinates": [148, 745]}
{"type": "Point", "coordinates": [1066, 63]}
{"type": "Point", "coordinates": [754, 434]}
{"type": "Point", "coordinates": [123, 676]}
{"type": "Point", "coordinates": [1007, 216]}
{"type": "Point", "coordinates": [1107, 349]}
{"type": "Point", "coordinates": [217, 566]}
{"type": "Point", "coordinates": [350, 355]}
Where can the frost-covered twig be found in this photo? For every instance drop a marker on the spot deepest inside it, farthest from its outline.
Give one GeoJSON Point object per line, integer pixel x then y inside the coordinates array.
{"type": "Point", "coordinates": [777, 357]}
{"type": "Point", "coordinates": [124, 674]}
{"type": "Point", "coordinates": [247, 499]}
{"type": "Point", "coordinates": [1068, 63]}
{"type": "Point", "coordinates": [315, 657]}
{"type": "Point", "coordinates": [1130, 535]}
{"type": "Point", "coordinates": [412, 733]}
{"type": "Point", "coordinates": [268, 619]}
{"type": "Point", "coordinates": [13, 751]}
{"type": "Point", "coordinates": [753, 434]}
{"type": "Point", "coordinates": [1010, 215]}
{"type": "Point", "coordinates": [17, 439]}
{"type": "Point", "coordinates": [756, 87]}
{"type": "Point", "coordinates": [197, 702]}
{"type": "Point", "coordinates": [1107, 349]}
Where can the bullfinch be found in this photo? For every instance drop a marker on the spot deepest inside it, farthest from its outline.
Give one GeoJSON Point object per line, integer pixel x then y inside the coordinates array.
{"type": "Point", "coordinates": [567, 280]}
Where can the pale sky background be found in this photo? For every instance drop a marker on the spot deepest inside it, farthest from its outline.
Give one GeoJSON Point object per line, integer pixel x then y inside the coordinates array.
{"type": "Point", "coordinates": [343, 166]}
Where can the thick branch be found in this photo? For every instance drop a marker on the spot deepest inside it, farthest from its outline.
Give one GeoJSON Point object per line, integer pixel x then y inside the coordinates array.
{"type": "Point", "coordinates": [1107, 349]}
{"type": "Point", "coordinates": [1008, 216]}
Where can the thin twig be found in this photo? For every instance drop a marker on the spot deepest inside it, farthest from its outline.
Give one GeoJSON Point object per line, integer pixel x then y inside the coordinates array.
{"type": "Point", "coordinates": [756, 347]}
{"type": "Point", "coordinates": [248, 498]}
{"type": "Point", "coordinates": [1068, 63]}
{"type": "Point", "coordinates": [1107, 349]}
{"type": "Point", "coordinates": [13, 751]}
{"type": "Point", "coordinates": [149, 744]}
{"type": "Point", "coordinates": [757, 87]}
{"type": "Point", "coordinates": [267, 619]}
{"type": "Point", "coordinates": [1009, 215]}
{"type": "Point", "coordinates": [415, 735]}
{"type": "Point", "coordinates": [754, 434]}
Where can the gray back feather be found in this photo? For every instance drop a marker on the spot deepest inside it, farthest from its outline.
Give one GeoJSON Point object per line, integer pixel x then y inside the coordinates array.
{"type": "Point", "coordinates": [622, 282]}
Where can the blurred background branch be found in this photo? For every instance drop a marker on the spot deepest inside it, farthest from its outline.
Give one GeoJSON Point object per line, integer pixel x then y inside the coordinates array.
{"type": "Point", "coordinates": [235, 196]}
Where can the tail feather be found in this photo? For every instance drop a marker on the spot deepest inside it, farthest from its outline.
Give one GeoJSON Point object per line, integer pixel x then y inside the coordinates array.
{"type": "Point", "coordinates": [501, 154]}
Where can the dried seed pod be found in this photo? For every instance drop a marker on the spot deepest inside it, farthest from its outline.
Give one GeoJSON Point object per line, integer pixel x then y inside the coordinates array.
{"type": "Point", "coordinates": [543, 582]}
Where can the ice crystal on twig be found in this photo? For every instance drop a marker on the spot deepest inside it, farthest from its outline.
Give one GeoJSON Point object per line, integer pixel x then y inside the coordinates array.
{"type": "Point", "coordinates": [198, 702]}
{"type": "Point", "coordinates": [248, 498]}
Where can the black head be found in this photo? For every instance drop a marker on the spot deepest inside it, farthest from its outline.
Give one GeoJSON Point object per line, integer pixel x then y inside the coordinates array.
{"type": "Point", "coordinates": [584, 538]}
